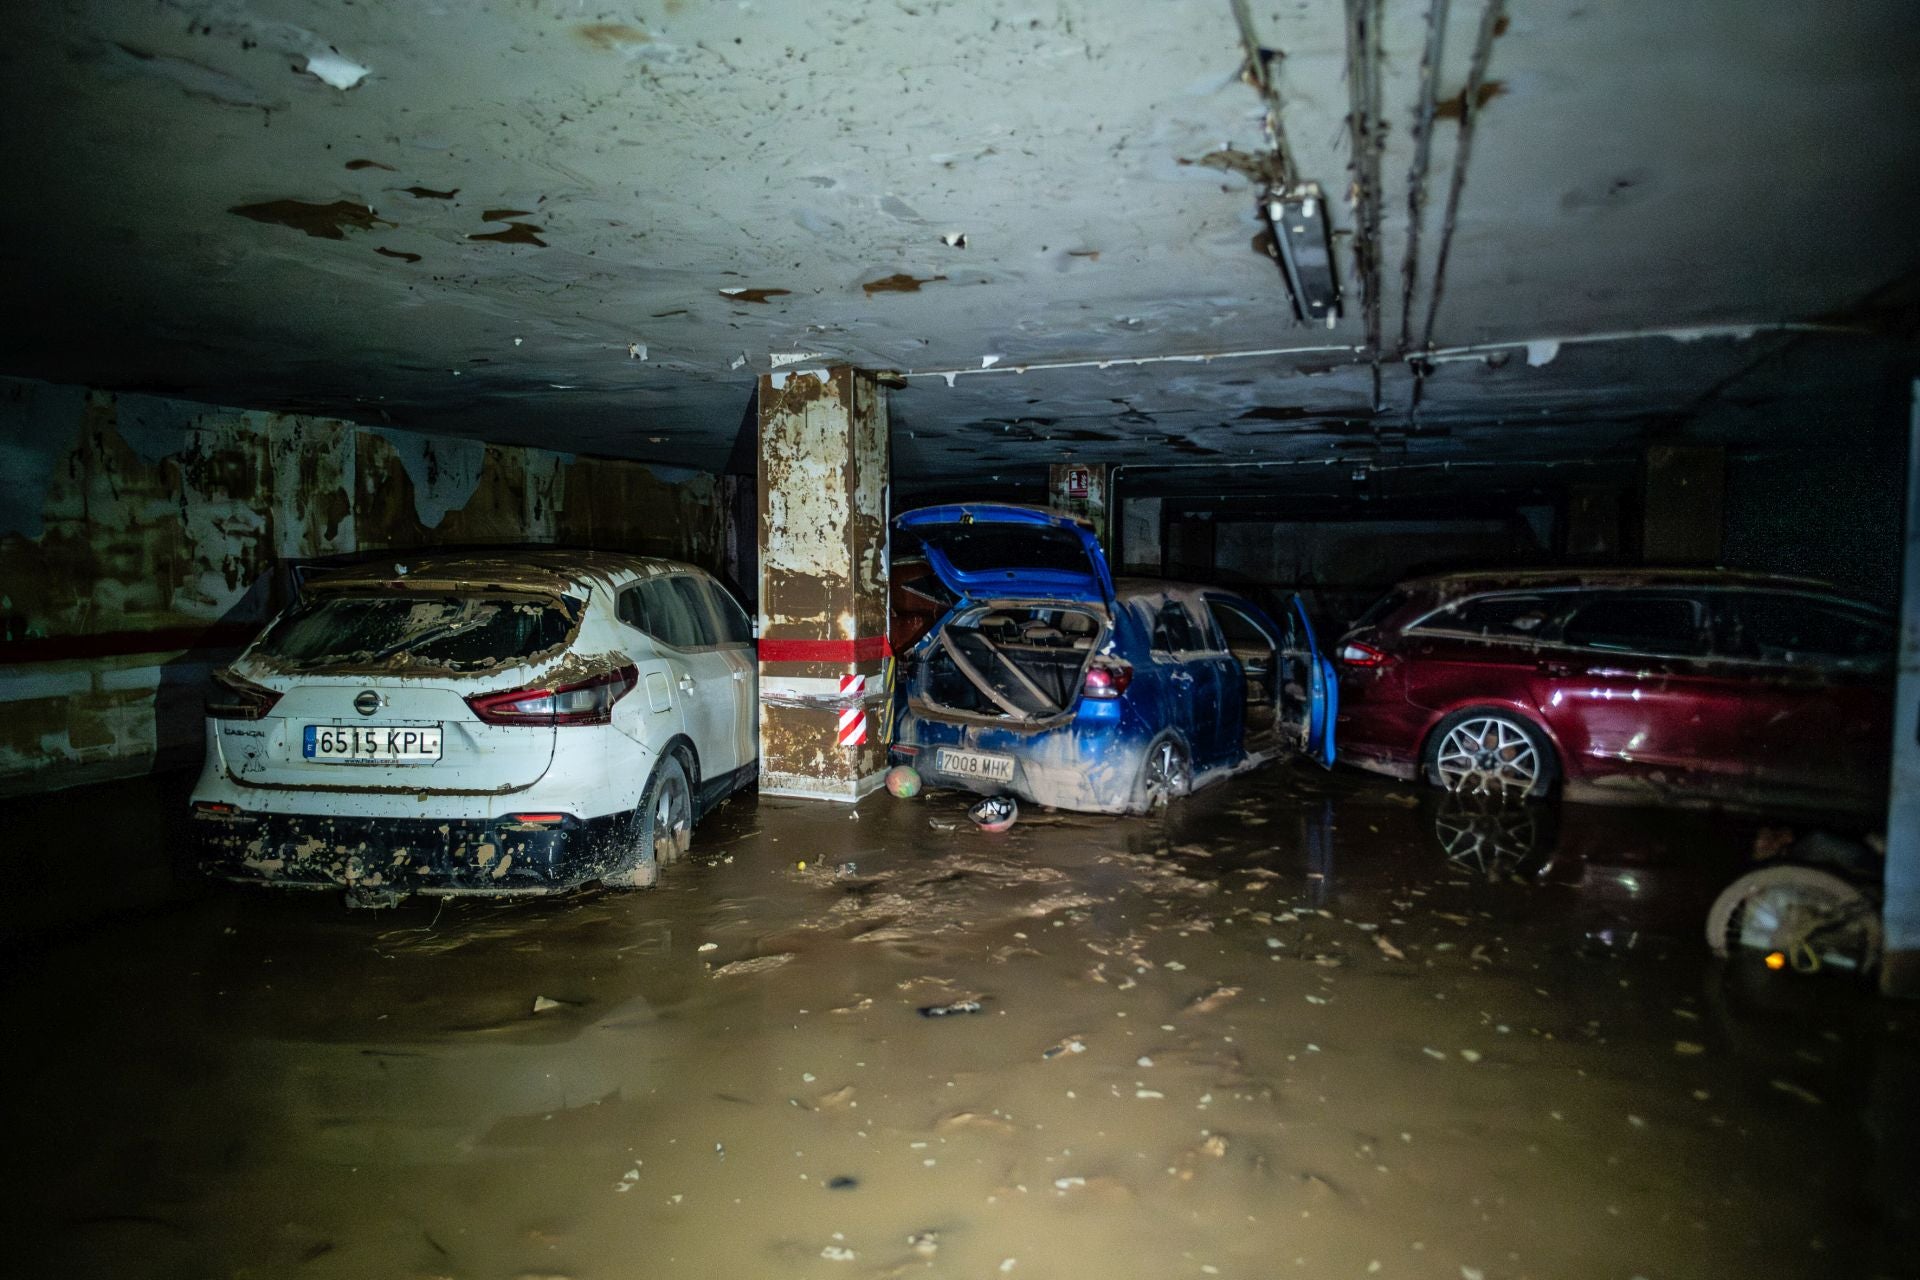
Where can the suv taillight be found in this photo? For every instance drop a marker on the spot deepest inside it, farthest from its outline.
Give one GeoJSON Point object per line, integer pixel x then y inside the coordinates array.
{"type": "Point", "coordinates": [584, 702]}
{"type": "Point", "coordinates": [237, 699]}
{"type": "Point", "coordinates": [1107, 679]}
{"type": "Point", "coordinates": [1355, 654]}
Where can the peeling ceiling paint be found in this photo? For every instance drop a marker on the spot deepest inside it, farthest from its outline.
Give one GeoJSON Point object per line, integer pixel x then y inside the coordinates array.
{"type": "Point", "coordinates": [460, 226]}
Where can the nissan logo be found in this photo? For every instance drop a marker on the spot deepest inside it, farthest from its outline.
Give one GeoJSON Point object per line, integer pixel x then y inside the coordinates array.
{"type": "Point", "coordinates": [366, 702]}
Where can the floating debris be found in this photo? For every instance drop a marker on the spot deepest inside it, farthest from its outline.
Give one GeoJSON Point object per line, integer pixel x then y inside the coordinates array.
{"type": "Point", "coordinates": [758, 964]}
{"type": "Point", "coordinates": [1212, 1000]}
{"type": "Point", "coordinates": [1795, 1091]}
{"type": "Point", "coordinates": [995, 814]}
{"type": "Point", "coordinates": [949, 1010]}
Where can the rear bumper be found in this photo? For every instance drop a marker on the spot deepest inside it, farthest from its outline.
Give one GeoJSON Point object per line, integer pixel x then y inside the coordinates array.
{"type": "Point", "coordinates": [1087, 768]}
{"type": "Point", "coordinates": [404, 855]}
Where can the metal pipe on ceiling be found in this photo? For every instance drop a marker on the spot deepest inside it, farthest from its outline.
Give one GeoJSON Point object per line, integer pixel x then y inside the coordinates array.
{"type": "Point", "coordinates": [1468, 351]}
{"type": "Point", "coordinates": [1491, 20]}
{"type": "Point", "coordinates": [1425, 112]}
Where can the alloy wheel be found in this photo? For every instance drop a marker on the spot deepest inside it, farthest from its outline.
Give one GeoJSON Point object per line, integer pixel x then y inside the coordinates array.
{"type": "Point", "coordinates": [1167, 774]}
{"type": "Point", "coordinates": [672, 821]}
{"type": "Point", "coordinates": [1488, 755]}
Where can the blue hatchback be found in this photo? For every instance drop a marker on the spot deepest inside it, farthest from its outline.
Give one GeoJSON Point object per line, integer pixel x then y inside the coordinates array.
{"type": "Point", "coordinates": [1050, 680]}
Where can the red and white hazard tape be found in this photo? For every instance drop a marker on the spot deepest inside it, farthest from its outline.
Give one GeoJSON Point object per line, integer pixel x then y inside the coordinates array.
{"type": "Point", "coordinates": [853, 728]}
{"type": "Point", "coordinates": [852, 686]}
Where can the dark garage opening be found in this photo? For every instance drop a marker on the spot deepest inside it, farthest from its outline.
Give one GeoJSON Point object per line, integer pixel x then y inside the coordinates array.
{"type": "Point", "coordinates": [1521, 399]}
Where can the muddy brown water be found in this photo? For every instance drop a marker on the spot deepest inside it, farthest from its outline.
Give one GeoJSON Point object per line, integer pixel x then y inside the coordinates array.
{"type": "Point", "coordinates": [1306, 1024]}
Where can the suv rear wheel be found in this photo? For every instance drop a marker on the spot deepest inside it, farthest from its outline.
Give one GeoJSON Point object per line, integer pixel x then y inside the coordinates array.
{"type": "Point", "coordinates": [1165, 775]}
{"type": "Point", "coordinates": [661, 831]}
{"type": "Point", "coordinates": [1487, 751]}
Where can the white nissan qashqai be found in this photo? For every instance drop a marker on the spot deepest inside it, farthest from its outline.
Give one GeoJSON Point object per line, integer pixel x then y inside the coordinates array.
{"type": "Point", "coordinates": [484, 725]}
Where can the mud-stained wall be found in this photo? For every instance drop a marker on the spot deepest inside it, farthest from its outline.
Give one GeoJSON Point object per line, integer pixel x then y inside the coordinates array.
{"type": "Point", "coordinates": [143, 540]}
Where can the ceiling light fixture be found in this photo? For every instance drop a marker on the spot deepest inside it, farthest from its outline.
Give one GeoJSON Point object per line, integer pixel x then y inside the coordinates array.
{"type": "Point", "coordinates": [1297, 220]}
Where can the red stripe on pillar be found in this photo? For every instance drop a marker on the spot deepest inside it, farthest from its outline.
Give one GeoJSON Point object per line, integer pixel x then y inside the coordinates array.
{"type": "Point", "coordinates": [865, 649]}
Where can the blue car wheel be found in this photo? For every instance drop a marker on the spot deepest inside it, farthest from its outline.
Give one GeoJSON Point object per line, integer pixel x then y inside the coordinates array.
{"type": "Point", "coordinates": [1165, 775]}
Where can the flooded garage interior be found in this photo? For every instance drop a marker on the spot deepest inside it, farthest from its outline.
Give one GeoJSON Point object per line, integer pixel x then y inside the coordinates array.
{"type": "Point", "coordinates": [1524, 393]}
{"type": "Point", "coordinates": [1302, 1025]}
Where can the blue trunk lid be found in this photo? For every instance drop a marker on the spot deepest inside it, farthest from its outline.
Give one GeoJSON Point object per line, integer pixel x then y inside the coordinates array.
{"type": "Point", "coordinates": [999, 551]}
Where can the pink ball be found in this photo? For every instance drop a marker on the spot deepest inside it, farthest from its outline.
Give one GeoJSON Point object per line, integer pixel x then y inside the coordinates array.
{"type": "Point", "coordinates": [903, 780]}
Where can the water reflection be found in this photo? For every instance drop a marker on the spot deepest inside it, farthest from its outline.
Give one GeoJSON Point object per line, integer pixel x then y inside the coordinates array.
{"type": "Point", "coordinates": [1490, 837]}
{"type": "Point", "coordinates": [1639, 875]}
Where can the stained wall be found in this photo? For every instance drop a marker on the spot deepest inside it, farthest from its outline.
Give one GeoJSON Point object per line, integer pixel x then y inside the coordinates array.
{"type": "Point", "coordinates": [143, 540]}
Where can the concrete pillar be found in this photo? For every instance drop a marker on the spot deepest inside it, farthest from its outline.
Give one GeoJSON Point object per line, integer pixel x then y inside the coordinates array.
{"type": "Point", "coordinates": [823, 477]}
{"type": "Point", "coordinates": [1900, 972]}
{"type": "Point", "coordinates": [1080, 488]}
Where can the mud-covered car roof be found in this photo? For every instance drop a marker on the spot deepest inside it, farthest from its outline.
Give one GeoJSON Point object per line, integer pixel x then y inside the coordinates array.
{"type": "Point", "coordinates": [1471, 580]}
{"type": "Point", "coordinates": [556, 570]}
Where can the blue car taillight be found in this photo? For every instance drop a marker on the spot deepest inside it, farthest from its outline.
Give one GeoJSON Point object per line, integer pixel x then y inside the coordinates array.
{"type": "Point", "coordinates": [1107, 678]}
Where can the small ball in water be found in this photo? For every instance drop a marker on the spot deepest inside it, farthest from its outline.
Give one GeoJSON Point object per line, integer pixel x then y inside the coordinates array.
{"type": "Point", "coordinates": [903, 780]}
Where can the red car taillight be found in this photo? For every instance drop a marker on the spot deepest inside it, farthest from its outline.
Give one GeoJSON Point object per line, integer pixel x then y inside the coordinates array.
{"type": "Point", "coordinates": [1355, 654]}
{"type": "Point", "coordinates": [1107, 679]}
{"type": "Point", "coordinates": [585, 702]}
{"type": "Point", "coordinates": [237, 699]}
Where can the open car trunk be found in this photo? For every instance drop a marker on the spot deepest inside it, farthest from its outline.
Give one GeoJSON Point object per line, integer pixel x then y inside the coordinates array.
{"type": "Point", "coordinates": [1013, 662]}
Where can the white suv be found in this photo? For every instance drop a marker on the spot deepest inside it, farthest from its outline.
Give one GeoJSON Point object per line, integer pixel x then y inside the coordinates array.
{"type": "Point", "coordinates": [474, 724]}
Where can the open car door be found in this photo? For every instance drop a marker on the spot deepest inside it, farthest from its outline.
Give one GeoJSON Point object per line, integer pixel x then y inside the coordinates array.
{"type": "Point", "coordinates": [1322, 684]}
{"type": "Point", "coordinates": [1289, 686]}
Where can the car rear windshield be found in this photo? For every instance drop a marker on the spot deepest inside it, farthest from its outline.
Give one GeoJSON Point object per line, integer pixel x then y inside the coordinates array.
{"type": "Point", "coordinates": [451, 632]}
{"type": "Point", "coordinates": [1379, 609]}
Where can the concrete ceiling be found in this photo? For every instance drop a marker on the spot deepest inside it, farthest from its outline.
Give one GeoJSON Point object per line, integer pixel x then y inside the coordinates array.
{"type": "Point", "coordinates": [587, 228]}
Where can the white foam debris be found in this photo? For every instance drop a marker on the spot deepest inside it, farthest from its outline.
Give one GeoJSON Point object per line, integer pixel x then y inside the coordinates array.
{"type": "Point", "coordinates": [340, 72]}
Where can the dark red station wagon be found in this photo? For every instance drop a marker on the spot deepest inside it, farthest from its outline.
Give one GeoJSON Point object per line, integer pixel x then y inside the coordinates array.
{"type": "Point", "coordinates": [1724, 686]}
